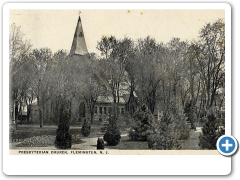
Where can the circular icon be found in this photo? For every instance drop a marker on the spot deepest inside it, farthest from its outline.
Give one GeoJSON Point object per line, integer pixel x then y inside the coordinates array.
{"type": "Point", "coordinates": [227, 145]}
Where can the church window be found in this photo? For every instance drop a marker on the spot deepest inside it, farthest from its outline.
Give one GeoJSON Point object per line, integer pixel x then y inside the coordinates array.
{"type": "Point", "coordinates": [100, 110]}
{"type": "Point", "coordinates": [105, 110]}
{"type": "Point", "coordinates": [95, 110]}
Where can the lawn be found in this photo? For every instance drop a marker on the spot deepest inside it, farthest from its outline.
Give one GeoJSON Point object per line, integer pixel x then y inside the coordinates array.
{"type": "Point", "coordinates": [28, 131]}
{"type": "Point", "coordinates": [127, 144]}
{"type": "Point", "coordinates": [33, 136]}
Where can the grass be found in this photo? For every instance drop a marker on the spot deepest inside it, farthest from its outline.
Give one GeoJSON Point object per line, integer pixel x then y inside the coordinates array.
{"type": "Point", "coordinates": [33, 136]}
{"type": "Point", "coordinates": [28, 131]}
{"type": "Point", "coordinates": [127, 144]}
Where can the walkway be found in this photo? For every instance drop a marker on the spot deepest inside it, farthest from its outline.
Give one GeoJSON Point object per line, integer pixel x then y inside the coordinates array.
{"type": "Point", "coordinates": [90, 144]}
{"type": "Point", "coordinates": [192, 142]}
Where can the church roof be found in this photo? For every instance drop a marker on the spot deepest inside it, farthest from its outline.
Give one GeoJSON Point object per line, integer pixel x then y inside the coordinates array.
{"type": "Point", "coordinates": [79, 45]}
{"type": "Point", "coordinates": [109, 99]}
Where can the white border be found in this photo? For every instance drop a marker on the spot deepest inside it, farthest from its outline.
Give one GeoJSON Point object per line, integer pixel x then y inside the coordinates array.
{"type": "Point", "coordinates": [114, 165]}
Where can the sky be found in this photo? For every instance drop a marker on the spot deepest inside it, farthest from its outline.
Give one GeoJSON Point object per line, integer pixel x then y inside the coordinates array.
{"type": "Point", "coordinates": [55, 28]}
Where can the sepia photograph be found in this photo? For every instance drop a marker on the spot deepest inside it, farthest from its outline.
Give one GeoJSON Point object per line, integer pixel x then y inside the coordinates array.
{"type": "Point", "coordinates": [116, 81]}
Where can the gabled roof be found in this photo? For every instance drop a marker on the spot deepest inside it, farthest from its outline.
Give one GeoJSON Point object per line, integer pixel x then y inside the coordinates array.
{"type": "Point", "coordinates": [109, 99]}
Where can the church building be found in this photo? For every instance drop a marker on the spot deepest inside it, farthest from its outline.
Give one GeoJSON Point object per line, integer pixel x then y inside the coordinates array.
{"type": "Point", "coordinates": [104, 103]}
{"type": "Point", "coordinates": [79, 109]}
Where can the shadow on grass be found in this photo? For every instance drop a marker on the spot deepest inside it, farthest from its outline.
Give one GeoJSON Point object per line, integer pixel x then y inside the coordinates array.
{"type": "Point", "coordinates": [30, 131]}
{"type": "Point", "coordinates": [128, 144]}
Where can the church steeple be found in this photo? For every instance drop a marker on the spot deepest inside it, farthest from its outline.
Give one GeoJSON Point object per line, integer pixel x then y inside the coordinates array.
{"type": "Point", "coordinates": [79, 45]}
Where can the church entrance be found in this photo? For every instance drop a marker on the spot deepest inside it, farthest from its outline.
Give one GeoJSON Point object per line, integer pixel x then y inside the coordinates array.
{"type": "Point", "coordinates": [82, 111]}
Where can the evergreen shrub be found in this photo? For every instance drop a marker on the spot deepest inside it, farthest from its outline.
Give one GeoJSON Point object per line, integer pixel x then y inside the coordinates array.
{"type": "Point", "coordinates": [63, 137]}
{"type": "Point", "coordinates": [210, 133]}
{"type": "Point", "coordinates": [143, 124]}
{"type": "Point", "coordinates": [113, 134]}
{"type": "Point", "coordinates": [86, 128]}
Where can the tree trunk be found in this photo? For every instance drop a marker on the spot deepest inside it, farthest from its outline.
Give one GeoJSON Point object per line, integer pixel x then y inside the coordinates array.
{"type": "Point", "coordinates": [212, 98]}
{"type": "Point", "coordinates": [131, 103]}
{"type": "Point", "coordinates": [43, 114]}
{"type": "Point", "coordinates": [28, 113]}
{"type": "Point", "coordinates": [21, 113]}
{"type": "Point", "coordinates": [151, 103]}
{"type": "Point", "coordinates": [191, 81]}
{"type": "Point", "coordinates": [40, 117]}
{"type": "Point", "coordinates": [163, 92]}
{"type": "Point", "coordinates": [91, 114]}
{"type": "Point", "coordinates": [16, 111]}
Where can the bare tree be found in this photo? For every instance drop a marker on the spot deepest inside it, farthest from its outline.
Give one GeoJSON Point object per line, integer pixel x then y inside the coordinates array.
{"type": "Point", "coordinates": [149, 74]}
{"type": "Point", "coordinates": [211, 59]}
{"type": "Point", "coordinates": [91, 85]}
{"type": "Point", "coordinates": [18, 51]}
{"type": "Point", "coordinates": [44, 81]}
{"type": "Point", "coordinates": [116, 53]}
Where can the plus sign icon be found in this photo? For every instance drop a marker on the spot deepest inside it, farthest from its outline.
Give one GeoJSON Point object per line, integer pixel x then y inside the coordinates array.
{"type": "Point", "coordinates": [227, 145]}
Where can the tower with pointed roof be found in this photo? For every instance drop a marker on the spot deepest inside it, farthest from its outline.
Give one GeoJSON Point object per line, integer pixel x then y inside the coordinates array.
{"type": "Point", "coordinates": [79, 46]}
{"type": "Point", "coordinates": [80, 111]}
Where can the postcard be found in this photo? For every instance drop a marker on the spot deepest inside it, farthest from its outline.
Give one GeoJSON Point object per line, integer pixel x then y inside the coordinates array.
{"type": "Point", "coordinates": [120, 83]}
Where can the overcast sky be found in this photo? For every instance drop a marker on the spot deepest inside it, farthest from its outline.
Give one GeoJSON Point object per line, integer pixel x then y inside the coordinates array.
{"type": "Point", "coordinates": [55, 28]}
